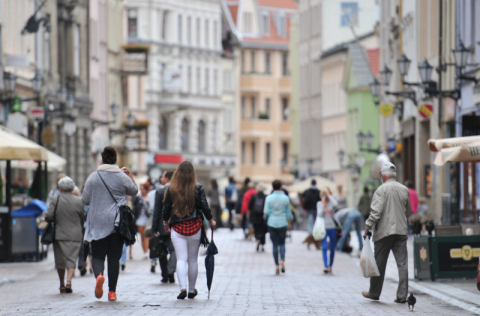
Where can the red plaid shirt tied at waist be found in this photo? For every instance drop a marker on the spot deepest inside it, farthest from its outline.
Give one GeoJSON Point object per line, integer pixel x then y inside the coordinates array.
{"type": "Point", "coordinates": [188, 228]}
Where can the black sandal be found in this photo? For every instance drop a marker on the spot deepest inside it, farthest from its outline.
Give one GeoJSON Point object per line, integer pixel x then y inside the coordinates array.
{"type": "Point", "coordinates": [68, 288]}
{"type": "Point", "coordinates": [63, 289]}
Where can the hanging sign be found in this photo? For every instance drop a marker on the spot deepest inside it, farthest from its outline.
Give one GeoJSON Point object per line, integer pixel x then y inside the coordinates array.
{"type": "Point", "coordinates": [386, 109]}
{"type": "Point", "coordinates": [426, 110]}
{"type": "Point", "coordinates": [48, 136]}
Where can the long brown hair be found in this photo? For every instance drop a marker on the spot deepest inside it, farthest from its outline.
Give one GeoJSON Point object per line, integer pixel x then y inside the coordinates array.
{"type": "Point", "coordinates": [182, 189]}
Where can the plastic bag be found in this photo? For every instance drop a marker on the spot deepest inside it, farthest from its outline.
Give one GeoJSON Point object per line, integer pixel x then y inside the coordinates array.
{"type": "Point", "coordinates": [367, 261]}
{"type": "Point", "coordinates": [319, 231]}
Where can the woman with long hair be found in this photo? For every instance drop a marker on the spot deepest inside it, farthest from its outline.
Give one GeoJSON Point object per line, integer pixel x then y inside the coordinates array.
{"type": "Point", "coordinates": [325, 209]}
{"type": "Point", "coordinates": [183, 210]}
{"type": "Point", "coordinates": [214, 196]}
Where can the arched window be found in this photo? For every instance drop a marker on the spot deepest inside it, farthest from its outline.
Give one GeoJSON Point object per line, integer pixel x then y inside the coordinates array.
{"type": "Point", "coordinates": [163, 137]}
{"type": "Point", "coordinates": [185, 133]}
{"type": "Point", "coordinates": [201, 136]}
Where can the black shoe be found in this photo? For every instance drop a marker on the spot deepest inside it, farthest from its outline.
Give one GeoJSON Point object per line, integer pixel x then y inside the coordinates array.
{"type": "Point", "coordinates": [171, 278]}
{"type": "Point", "coordinates": [164, 280]}
{"type": "Point", "coordinates": [263, 248]}
{"type": "Point", "coordinates": [83, 271]}
{"type": "Point", "coordinates": [192, 295]}
{"type": "Point", "coordinates": [182, 295]}
{"type": "Point", "coordinates": [123, 267]}
{"type": "Point", "coordinates": [152, 269]}
{"type": "Point", "coordinates": [258, 247]}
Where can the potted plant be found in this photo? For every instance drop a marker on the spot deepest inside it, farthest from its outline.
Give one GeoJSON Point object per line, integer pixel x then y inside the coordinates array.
{"type": "Point", "coordinates": [415, 221]}
{"type": "Point", "coordinates": [263, 116]}
{"type": "Point", "coordinates": [429, 224]}
{"type": "Point", "coordinates": [136, 48]}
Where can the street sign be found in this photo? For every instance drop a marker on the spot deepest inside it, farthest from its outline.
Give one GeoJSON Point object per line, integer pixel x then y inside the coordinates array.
{"type": "Point", "coordinates": [69, 128]}
{"type": "Point", "coordinates": [48, 136]}
{"type": "Point", "coordinates": [426, 110]}
{"type": "Point", "coordinates": [386, 109]}
{"type": "Point", "coordinates": [37, 113]}
{"type": "Point", "coordinates": [131, 143]}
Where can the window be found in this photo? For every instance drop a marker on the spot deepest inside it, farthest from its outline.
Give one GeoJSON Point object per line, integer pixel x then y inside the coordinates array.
{"type": "Point", "coordinates": [179, 30]}
{"type": "Point", "coordinates": [243, 153]}
{"type": "Point", "coordinates": [227, 80]}
{"type": "Point", "coordinates": [76, 51]}
{"type": "Point", "coordinates": [132, 23]}
{"type": "Point", "coordinates": [198, 81]}
{"type": "Point", "coordinates": [228, 121]}
{"type": "Point", "coordinates": [268, 149]}
{"type": "Point", "coordinates": [284, 64]}
{"type": "Point", "coordinates": [244, 111]}
{"type": "Point", "coordinates": [207, 81]}
{"type": "Point", "coordinates": [215, 34]}
{"type": "Point", "coordinates": [207, 33]}
{"type": "Point", "coordinates": [201, 136]}
{"type": "Point", "coordinates": [285, 109]}
{"type": "Point", "coordinates": [189, 79]}
{"type": "Point", "coordinates": [164, 25]}
{"type": "Point", "coordinates": [253, 108]}
{"type": "Point", "coordinates": [254, 153]}
{"type": "Point", "coordinates": [349, 14]}
{"type": "Point", "coordinates": [265, 23]}
{"type": "Point", "coordinates": [267, 107]}
{"type": "Point", "coordinates": [285, 152]}
{"type": "Point", "coordinates": [267, 62]}
{"type": "Point", "coordinates": [247, 22]}
{"type": "Point", "coordinates": [189, 30]}
{"type": "Point", "coordinates": [252, 62]}
{"type": "Point", "coordinates": [215, 82]}
{"type": "Point", "coordinates": [282, 29]}
{"type": "Point", "coordinates": [243, 62]}
{"type": "Point", "coordinates": [185, 134]}
{"type": "Point", "coordinates": [198, 31]}
{"type": "Point", "coordinates": [163, 137]}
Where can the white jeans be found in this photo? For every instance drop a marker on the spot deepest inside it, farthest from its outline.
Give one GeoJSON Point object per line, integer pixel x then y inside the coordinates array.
{"type": "Point", "coordinates": [186, 249]}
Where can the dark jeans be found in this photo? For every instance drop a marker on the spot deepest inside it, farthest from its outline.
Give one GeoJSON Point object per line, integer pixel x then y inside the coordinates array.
{"type": "Point", "coordinates": [168, 265]}
{"type": "Point", "coordinates": [231, 208]}
{"type": "Point", "coordinates": [245, 225]}
{"type": "Point", "coordinates": [110, 247]}
{"type": "Point", "coordinates": [260, 231]}
{"type": "Point", "coordinates": [329, 245]}
{"type": "Point", "coordinates": [278, 236]}
{"type": "Point", "coordinates": [217, 215]}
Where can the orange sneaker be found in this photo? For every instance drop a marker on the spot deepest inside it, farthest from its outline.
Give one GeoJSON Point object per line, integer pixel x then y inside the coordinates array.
{"type": "Point", "coordinates": [99, 286]}
{"type": "Point", "coordinates": [112, 296]}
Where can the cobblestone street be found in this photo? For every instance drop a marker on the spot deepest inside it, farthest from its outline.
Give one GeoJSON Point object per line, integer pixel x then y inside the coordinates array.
{"type": "Point", "coordinates": [244, 284]}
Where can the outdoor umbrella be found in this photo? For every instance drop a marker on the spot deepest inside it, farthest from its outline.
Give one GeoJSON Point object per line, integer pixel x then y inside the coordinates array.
{"type": "Point", "coordinates": [210, 263]}
{"type": "Point", "coordinates": [464, 153]}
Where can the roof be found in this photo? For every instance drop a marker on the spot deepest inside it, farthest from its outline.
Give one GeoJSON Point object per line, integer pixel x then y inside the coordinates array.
{"type": "Point", "coordinates": [342, 47]}
{"type": "Point", "coordinates": [233, 12]}
{"type": "Point", "coordinates": [360, 65]}
{"type": "Point", "coordinates": [374, 60]}
{"type": "Point", "coordinates": [283, 4]}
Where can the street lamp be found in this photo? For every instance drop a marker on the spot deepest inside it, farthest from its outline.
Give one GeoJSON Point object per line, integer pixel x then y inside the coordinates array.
{"type": "Point", "coordinates": [403, 65]}
{"type": "Point", "coordinates": [460, 53]}
{"type": "Point", "coordinates": [341, 156]}
{"type": "Point", "coordinates": [114, 108]}
{"type": "Point", "coordinates": [62, 94]}
{"type": "Point", "coordinates": [360, 138]}
{"type": "Point", "coordinates": [10, 81]}
{"type": "Point", "coordinates": [37, 82]}
{"type": "Point", "coordinates": [130, 120]}
{"type": "Point", "coordinates": [425, 70]}
{"type": "Point", "coordinates": [375, 88]}
{"type": "Point", "coordinates": [386, 74]}
{"type": "Point", "coordinates": [369, 139]}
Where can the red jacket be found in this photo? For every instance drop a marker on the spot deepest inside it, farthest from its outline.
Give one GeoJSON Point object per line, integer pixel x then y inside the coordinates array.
{"type": "Point", "coordinates": [413, 197]}
{"type": "Point", "coordinates": [246, 200]}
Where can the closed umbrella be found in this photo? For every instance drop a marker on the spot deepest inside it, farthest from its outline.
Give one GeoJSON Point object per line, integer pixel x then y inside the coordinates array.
{"type": "Point", "coordinates": [210, 263]}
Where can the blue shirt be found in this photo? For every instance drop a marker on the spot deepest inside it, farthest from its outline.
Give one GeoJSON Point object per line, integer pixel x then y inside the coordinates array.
{"type": "Point", "coordinates": [277, 208]}
{"type": "Point", "coordinates": [229, 190]}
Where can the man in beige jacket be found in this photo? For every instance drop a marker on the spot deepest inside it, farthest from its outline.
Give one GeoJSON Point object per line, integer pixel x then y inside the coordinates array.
{"type": "Point", "coordinates": [389, 209]}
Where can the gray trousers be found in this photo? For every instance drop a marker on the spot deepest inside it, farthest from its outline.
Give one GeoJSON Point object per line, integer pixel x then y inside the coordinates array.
{"type": "Point", "coordinates": [398, 245]}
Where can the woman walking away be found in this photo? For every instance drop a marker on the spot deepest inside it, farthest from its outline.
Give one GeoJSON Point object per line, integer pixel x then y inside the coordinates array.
{"type": "Point", "coordinates": [255, 209]}
{"type": "Point", "coordinates": [102, 217]}
{"type": "Point", "coordinates": [214, 196]}
{"type": "Point", "coordinates": [68, 213]}
{"type": "Point", "coordinates": [184, 207]}
{"type": "Point", "coordinates": [141, 211]}
{"type": "Point", "coordinates": [325, 209]}
{"type": "Point", "coordinates": [277, 208]}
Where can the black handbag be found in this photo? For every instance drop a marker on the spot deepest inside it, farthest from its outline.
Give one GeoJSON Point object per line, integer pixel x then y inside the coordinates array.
{"type": "Point", "coordinates": [158, 247]}
{"type": "Point", "coordinates": [126, 224]}
{"type": "Point", "coordinates": [48, 235]}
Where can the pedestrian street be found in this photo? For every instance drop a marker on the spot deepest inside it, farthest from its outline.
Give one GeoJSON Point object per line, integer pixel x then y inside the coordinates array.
{"type": "Point", "coordinates": [244, 284]}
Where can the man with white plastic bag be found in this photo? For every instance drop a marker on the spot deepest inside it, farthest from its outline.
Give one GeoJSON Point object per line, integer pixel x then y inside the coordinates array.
{"type": "Point", "coordinates": [367, 261]}
{"type": "Point", "coordinates": [389, 209]}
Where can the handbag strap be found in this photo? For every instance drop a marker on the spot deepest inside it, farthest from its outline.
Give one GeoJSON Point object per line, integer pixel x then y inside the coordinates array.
{"type": "Point", "coordinates": [330, 214]}
{"type": "Point", "coordinates": [98, 172]}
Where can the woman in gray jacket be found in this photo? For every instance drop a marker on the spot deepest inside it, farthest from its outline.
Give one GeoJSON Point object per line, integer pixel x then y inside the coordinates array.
{"type": "Point", "coordinates": [69, 217]}
{"type": "Point", "coordinates": [102, 217]}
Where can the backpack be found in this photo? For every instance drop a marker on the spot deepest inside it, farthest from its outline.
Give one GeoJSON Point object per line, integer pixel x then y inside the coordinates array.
{"type": "Point", "coordinates": [258, 205]}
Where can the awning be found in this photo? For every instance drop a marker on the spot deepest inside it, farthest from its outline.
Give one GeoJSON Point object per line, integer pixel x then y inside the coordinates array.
{"type": "Point", "coordinates": [302, 186]}
{"type": "Point", "coordinates": [465, 153]}
{"type": "Point", "coordinates": [54, 163]}
{"type": "Point", "coordinates": [16, 147]}
{"type": "Point", "coordinates": [439, 144]}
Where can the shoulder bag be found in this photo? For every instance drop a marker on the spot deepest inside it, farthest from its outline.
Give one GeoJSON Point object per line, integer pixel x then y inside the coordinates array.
{"type": "Point", "coordinates": [48, 235]}
{"type": "Point", "coordinates": [126, 224]}
{"type": "Point", "coordinates": [337, 225]}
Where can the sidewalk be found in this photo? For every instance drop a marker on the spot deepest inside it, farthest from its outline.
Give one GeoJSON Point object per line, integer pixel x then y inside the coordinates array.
{"type": "Point", "coordinates": [244, 284]}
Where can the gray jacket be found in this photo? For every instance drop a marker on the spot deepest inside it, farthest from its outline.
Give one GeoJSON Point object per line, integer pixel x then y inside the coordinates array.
{"type": "Point", "coordinates": [103, 210]}
{"type": "Point", "coordinates": [69, 217]}
{"type": "Point", "coordinates": [390, 206]}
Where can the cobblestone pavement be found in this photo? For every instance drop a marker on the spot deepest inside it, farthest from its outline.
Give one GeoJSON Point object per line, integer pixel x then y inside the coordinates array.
{"type": "Point", "coordinates": [244, 284]}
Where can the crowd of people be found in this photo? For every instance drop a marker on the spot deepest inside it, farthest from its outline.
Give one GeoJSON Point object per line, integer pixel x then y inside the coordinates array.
{"type": "Point", "coordinates": [177, 209]}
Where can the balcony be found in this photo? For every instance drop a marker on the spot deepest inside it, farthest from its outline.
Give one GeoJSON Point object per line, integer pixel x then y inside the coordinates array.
{"type": "Point", "coordinates": [255, 82]}
{"type": "Point", "coordinates": [256, 125]}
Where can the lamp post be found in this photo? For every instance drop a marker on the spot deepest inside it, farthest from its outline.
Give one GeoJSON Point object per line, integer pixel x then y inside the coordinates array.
{"type": "Point", "coordinates": [368, 139]}
{"type": "Point", "coordinates": [131, 119]}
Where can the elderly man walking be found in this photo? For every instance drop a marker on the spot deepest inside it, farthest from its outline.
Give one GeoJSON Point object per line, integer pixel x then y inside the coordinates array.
{"type": "Point", "coordinates": [390, 204]}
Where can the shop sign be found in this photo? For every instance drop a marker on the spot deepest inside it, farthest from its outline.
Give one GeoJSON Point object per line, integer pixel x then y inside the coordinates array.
{"type": "Point", "coordinates": [135, 63]}
{"type": "Point", "coordinates": [131, 143]}
{"type": "Point", "coordinates": [16, 60]}
{"type": "Point", "coordinates": [392, 146]}
{"type": "Point", "coordinates": [458, 256]}
{"type": "Point", "coordinates": [386, 109]}
{"type": "Point", "coordinates": [70, 128]}
{"type": "Point", "coordinates": [37, 113]}
{"type": "Point", "coordinates": [48, 136]}
{"type": "Point", "coordinates": [426, 110]}
{"type": "Point", "coordinates": [175, 159]}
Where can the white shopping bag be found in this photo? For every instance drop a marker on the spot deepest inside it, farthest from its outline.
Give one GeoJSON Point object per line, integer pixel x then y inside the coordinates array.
{"type": "Point", "coordinates": [319, 231]}
{"type": "Point", "coordinates": [367, 261]}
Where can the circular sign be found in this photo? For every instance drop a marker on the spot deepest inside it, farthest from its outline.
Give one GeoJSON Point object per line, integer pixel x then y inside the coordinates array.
{"type": "Point", "coordinates": [155, 172]}
{"type": "Point", "coordinates": [425, 110]}
{"type": "Point", "coordinates": [131, 143]}
{"type": "Point", "coordinates": [386, 109]}
{"type": "Point", "coordinates": [69, 128]}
